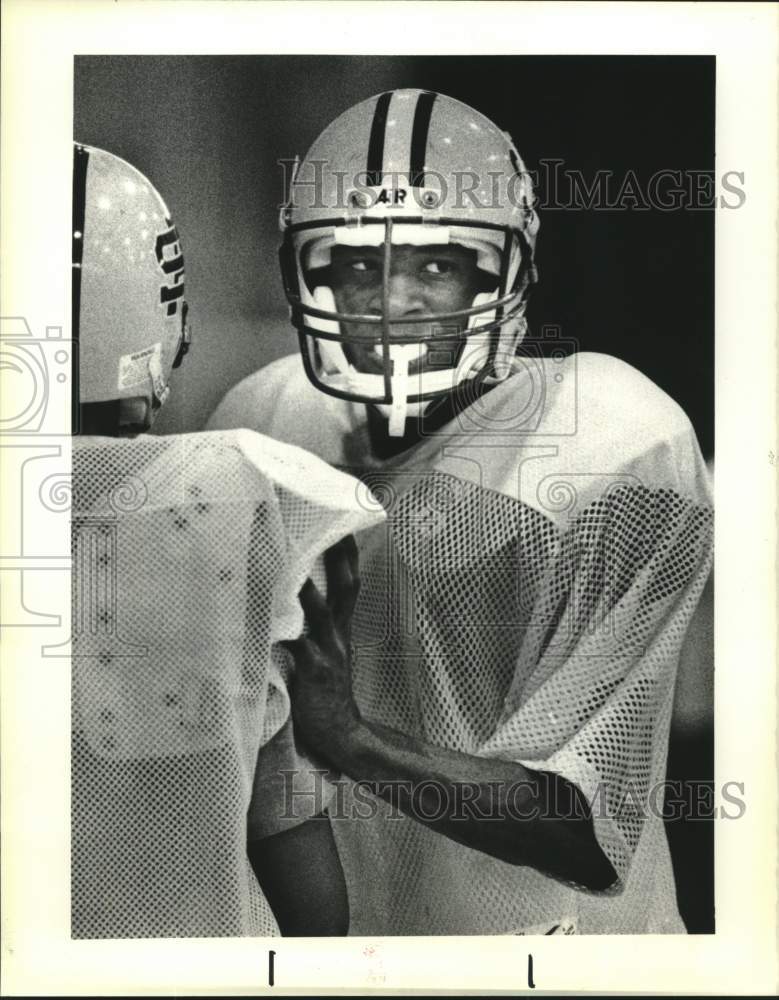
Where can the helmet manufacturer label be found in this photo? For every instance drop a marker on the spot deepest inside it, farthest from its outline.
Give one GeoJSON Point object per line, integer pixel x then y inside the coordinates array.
{"type": "Point", "coordinates": [134, 368]}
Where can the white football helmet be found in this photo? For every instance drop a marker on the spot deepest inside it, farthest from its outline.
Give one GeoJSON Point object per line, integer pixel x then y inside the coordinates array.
{"type": "Point", "coordinates": [417, 168]}
{"type": "Point", "coordinates": [129, 313]}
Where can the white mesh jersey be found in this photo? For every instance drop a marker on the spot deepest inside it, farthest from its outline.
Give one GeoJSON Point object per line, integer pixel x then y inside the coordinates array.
{"type": "Point", "coordinates": [188, 555]}
{"type": "Point", "coordinates": [526, 599]}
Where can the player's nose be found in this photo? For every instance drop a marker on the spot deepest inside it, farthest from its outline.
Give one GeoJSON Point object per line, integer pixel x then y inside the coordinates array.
{"type": "Point", "coordinates": [405, 297]}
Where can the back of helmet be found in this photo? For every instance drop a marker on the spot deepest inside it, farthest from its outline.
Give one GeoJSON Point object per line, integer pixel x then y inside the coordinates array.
{"type": "Point", "coordinates": [129, 311]}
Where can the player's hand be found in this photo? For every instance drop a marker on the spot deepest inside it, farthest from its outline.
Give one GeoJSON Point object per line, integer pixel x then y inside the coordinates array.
{"type": "Point", "coordinates": [321, 690]}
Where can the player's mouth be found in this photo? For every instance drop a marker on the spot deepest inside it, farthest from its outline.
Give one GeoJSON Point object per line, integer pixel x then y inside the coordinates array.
{"type": "Point", "coordinates": [369, 358]}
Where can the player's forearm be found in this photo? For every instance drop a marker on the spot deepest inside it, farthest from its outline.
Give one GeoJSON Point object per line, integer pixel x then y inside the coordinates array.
{"type": "Point", "coordinates": [495, 806]}
{"type": "Point", "coordinates": [300, 873]}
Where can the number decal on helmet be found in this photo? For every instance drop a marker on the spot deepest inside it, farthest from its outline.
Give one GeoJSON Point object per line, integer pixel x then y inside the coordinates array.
{"type": "Point", "coordinates": [170, 294]}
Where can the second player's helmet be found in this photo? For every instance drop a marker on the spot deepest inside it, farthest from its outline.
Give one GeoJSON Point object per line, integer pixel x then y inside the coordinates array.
{"type": "Point", "coordinates": [417, 168]}
{"type": "Point", "coordinates": [129, 313]}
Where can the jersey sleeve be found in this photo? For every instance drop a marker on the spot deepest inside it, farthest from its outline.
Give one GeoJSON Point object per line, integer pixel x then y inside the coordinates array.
{"type": "Point", "coordinates": [288, 787]}
{"type": "Point", "coordinates": [186, 565]}
{"type": "Point", "coordinates": [593, 693]}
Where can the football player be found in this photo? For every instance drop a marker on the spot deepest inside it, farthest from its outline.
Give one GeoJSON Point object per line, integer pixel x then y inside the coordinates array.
{"type": "Point", "coordinates": [504, 681]}
{"type": "Point", "coordinates": [188, 554]}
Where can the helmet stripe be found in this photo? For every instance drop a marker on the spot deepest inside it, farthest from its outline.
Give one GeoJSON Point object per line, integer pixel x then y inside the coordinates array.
{"type": "Point", "coordinates": [80, 166]}
{"type": "Point", "coordinates": [419, 134]}
{"type": "Point", "coordinates": [376, 141]}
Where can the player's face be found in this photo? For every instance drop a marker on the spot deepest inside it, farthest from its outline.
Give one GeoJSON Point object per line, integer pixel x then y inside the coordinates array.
{"type": "Point", "coordinates": [422, 280]}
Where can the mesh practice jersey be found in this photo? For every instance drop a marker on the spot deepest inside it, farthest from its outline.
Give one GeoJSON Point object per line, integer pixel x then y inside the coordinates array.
{"type": "Point", "coordinates": [188, 552]}
{"type": "Point", "coordinates": [526, 599]}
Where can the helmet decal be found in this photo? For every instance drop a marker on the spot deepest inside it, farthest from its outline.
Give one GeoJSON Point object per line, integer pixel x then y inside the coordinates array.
{"type": "Point", "coordinates": [419, 134]}
{"type": "Point", "coordinates": [374, 170]}
{"type": "Point", "coordinates": [172, 265]}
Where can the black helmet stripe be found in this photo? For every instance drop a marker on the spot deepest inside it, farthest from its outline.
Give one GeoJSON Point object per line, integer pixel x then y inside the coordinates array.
{"type": "Point", "coordinates": [80, 165]}
{"type": "Point", "coordinates": [419, 134]}
{"type": "Point", "coordinates": [376, 141]}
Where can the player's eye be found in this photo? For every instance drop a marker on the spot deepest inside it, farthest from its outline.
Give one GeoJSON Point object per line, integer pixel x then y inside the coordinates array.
{"type": "Point", "coordinates": [438, 267]}
{"type": "Point", "coordinates": [362, 264]}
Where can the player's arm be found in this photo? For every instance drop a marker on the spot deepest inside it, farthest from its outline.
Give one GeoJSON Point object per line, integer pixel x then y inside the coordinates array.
{"type": "Point", "coordinates": [293, 855]}
{"type": "Point", "coordinates": [300, 873]}
{"type": "Point", "coordinates": [498, 807]}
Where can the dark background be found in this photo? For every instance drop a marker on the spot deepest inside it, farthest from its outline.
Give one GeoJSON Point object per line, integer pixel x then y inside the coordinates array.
{"type": "Point", "coordinates": [208, 132]}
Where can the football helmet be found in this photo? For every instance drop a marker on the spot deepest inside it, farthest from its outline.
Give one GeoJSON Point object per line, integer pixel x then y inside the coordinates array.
{"type": "Point", "coordinates": [129, 312]}
{"type": "Point", "coordinates": [417, 168]}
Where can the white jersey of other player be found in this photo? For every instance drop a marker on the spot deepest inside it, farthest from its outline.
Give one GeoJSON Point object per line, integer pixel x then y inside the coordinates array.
{"type": "Point", "coordinates": [188, 555]}
{"type": "Point", "coordinates": [526, 599]}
